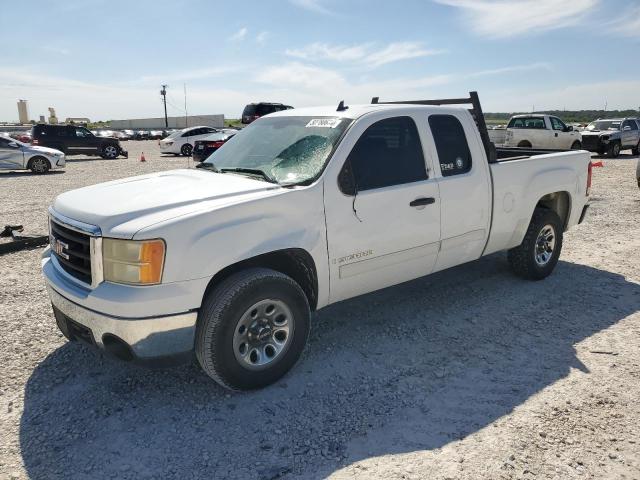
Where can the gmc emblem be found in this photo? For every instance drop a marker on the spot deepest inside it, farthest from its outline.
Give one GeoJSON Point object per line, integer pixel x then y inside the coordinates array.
{"type": "Point", "coordinates": [59, 247]}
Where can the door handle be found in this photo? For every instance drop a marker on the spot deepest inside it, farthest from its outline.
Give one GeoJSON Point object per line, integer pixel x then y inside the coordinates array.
{"type": "Point", "coordinates": [556, 134]}
{"type": "Point", "coordinates": [421, 202]}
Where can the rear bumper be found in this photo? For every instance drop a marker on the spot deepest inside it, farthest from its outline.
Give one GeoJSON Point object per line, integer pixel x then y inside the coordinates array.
{"type": "Point", "coordinates": [157, 341]}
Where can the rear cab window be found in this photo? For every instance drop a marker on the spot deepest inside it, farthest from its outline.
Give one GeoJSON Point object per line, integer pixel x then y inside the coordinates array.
{"type": "Point", "coordinates": [451, 145]}
{"type": "Point", "coordinates": [527, 122]}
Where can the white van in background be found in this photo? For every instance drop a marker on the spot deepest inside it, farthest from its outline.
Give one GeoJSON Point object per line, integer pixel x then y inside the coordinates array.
{"type": "Point", "coordinates": [541, 131]}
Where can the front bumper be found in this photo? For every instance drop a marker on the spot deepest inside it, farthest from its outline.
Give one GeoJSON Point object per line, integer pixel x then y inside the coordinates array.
{"type": "Point", "coordinates": [160, 341]}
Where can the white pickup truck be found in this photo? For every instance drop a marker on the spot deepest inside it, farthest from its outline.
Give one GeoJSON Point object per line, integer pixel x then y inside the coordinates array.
{"type": "Point", "coordinates": [541, 131]}
{"type": "Point", "coordinates": [301, 209]}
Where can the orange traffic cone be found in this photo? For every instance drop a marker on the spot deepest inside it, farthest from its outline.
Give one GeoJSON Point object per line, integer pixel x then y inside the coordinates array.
{"type": "Point", "coordinates": [142, 159]}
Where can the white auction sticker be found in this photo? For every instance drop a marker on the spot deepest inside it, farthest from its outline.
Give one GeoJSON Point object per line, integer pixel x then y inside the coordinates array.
{"type": "Point", "coordinates": [324, 122]}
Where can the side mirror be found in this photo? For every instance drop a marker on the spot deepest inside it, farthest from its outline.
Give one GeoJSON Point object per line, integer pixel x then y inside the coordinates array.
{"type": "Point", "coordinates": [569, 128]}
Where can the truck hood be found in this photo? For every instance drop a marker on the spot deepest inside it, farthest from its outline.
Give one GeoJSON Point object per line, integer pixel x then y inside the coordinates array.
{"type": "Point", "coordinates": [597, 133]}
{"type": "Point", "coordinates": [122, 207]}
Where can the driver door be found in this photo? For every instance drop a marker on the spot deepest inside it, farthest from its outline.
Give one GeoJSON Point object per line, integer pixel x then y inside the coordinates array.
{"type": "Point", "coordinates": [11, 156]}
{"type": "Point", "coordinates": [81, 141]}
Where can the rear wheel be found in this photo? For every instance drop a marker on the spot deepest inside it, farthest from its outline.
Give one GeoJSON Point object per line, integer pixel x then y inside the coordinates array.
{"type": "Point", "coordinates": [576, 145]}
{"type": "Point", "coordinates": [524, 144]}
{"type": "Point", "coordinates": [110, 152]}
{"type": "Point", "coordinates": [614, 150]}
{"type": "Point", "coordinates": [186, 150]}
{"type": "Point", "coordinates": [537, 255]}
{"type": "Point", "coordinates": [39, 165]}
{"type": "Point", "coordinates": [252, 328]}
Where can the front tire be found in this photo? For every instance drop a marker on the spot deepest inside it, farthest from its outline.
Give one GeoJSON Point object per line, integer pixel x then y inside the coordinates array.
{"type": "Point", "coordinates": [614, 150]}
{"type": "Point", "coordinates": [39, 165]}
{"type": "Point", "coordinates": [186, 150]}
{"type": "Point", "coordinates": [110, 152]}
{"type": "Point", "coordinates": [252, 329]}
{"type": "Point", "coordinates": [636, 150]}
{"type": "Point", "coordinates": [537, 255]}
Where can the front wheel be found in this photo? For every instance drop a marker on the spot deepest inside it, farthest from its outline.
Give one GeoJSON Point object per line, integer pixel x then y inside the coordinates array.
{"type": "Point", "coordinates": [110, 152]}
{"type": "Point", "coordinates": [252, 328]}
{"type": "Point", "coordinates": [537, 255]}
{"type": "Point", "coordinates": [614, 150]}
{"type": "Point", "coordinates": [186, 150]}
{"type": "Point", "coordinates": [39, 165]}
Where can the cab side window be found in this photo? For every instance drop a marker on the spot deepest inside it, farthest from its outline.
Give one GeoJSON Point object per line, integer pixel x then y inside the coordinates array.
{"type": "Point", "coordinates": [388, 153]}
{"type": "Point", "coordinates": [557, 124]}
{"type": "Point", "coordinates": [451, 144]}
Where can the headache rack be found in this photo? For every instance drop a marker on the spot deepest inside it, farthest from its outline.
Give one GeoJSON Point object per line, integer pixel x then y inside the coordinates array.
{"type": "Point", "coordinates": [476, 113]}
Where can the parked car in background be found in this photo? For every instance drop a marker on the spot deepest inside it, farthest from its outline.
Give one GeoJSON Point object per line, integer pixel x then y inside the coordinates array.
{"type": "Point", "coordinates": [300, 210]}
{"type": "Point", "coordinates": [156, 134]}
{"type": "Point", "coordinates": [24, 137]}
{"type": "Point", "coordinates": [612, 135]}
{"type": "Point", "coordinates": [16, 155]}
{"type": "Point", "coordinates": [541, 131]}
{"type": "Point", "coordinates": [122, 136]}
{"type": "Point", "coordinates": [253, 111]}
{"type": "Point", "coordinates": [206, 146]}
{"type": "Point", "coordinates": [129, 133]}
{"type": "Point", "coordinates": [141, 135]}
{"type": "Point", "coordinates": [74, 140]}
{"type": "Point", "coordinates": [182, 141]}
{"type": "Point", "coordinates": [107, 134]}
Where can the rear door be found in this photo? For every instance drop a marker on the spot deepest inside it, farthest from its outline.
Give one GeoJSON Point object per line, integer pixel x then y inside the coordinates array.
{"type": "Point", "coordinates": [382, 210]}
{"type": "Point", "coordinates": [464, 185]}
{"type": "Point", "coordinates": [629, 133]}
{"type": "Point", "coordinates": [11, 156]}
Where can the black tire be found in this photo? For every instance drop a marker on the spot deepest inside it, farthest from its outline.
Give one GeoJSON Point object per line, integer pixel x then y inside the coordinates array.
{"type": "Point", "coordinates": [636, 150]}
{"type": "Point", "coordinates": [221, 313]}
{"type": "Point", "coordinates": [614, 150]}
{"type": "Point", "coordinates": [186, 150]}
{"type": "Point", "coordinates": [576, 145]}
{"type": "Point", "coordinates": [522, 258]}
{"type": "Point", "coordinates": [110, 152]}
{"type": "Point", "coordinates": [39, 165]}
{"type": "Point", "coordinates": [524, 144]}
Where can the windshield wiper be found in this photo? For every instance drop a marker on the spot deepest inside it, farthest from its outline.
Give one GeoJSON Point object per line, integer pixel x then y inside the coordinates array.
{"type": "Point", "coordinates": [251, 171]}
{"type": "Point", "coordinates": [208, 166]}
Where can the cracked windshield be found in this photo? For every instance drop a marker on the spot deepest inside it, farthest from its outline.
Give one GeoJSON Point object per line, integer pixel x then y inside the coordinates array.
{"type": "Point", "coordinates": [288, 149]}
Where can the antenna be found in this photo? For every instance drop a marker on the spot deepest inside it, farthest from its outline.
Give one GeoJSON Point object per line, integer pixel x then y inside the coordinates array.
{"type": "Point", "coordinates": [341, 107]}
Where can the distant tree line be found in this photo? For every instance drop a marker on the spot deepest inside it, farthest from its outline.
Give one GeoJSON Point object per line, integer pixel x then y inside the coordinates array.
{"type": "Point", "coordinates": [570, 116]}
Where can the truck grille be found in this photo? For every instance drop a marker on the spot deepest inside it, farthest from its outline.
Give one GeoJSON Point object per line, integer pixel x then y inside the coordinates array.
{"type": "Point", "coordinates": [72, 249]}
{"type": "Point", "coordinates": [590, 142]}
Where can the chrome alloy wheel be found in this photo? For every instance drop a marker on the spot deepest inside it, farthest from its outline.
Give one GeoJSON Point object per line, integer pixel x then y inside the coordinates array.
{"type": "Point", "coordinates": [110, 151]}
{"type": "Point", "coordinates": [263, 334]}
{"type": "Point", "coordinates": [545, 244]}
{"type": "Point", "coordinates": [39, 165]}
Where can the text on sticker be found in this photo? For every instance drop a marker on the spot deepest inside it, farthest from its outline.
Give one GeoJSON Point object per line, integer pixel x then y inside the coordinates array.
{"type": "Point", "coordinates": [323, 122]}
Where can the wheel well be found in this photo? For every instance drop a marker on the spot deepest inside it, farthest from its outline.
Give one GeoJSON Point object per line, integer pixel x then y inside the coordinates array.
{"type": "Point", "coordinates": [559, 202]}
{"type": "Point", "coordinates": [524, 144]}
{"type": "Point", "coordinates": [30, 162]}
{"type": "Point", "coordinates": [294, 262]}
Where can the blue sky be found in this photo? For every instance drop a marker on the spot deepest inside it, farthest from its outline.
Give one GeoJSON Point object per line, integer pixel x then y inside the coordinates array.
{"type": "Point", "coordinates": [106, 59]}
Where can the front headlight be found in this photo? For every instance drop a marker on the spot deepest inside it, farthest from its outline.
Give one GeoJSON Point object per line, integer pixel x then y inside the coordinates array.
{"type": "Point", "coordinates": [134, 262]}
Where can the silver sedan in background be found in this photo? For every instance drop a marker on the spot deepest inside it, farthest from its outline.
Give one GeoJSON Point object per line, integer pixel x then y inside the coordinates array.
{"type": "Point", "coordinates": [15, 155]}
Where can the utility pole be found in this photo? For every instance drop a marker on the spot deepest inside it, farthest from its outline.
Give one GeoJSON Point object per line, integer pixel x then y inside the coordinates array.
{"type": "Point", "coordinates": [163, 92]}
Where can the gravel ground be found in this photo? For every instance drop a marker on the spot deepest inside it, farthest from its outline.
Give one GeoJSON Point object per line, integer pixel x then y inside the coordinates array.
{"type": "Point", "coordinates": [469, 373]}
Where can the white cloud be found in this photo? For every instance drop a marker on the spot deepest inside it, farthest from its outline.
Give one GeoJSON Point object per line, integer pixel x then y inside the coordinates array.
{"type": "Point", "coordinates": [312, 5]}
{"type": "Point", "coordinates": [239, 35]}
{"type": "Point", "coordinates": [628, 24]}
{"type": "Point", "coordinates": [366, 54]}
{"type": "Point", "coordinates": [507, 18]}
{"type": "Point", "coordinates": [262, 37]}
{"type": "Point", "coordinates": [56, 50]}
{"type": "Point", "coordinates": [512, 69]}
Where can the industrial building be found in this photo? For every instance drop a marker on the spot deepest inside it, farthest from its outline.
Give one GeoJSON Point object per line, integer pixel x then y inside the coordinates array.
{"type": "Point", "coordinates": [216, 121]}
{"type": "Point", "coordinates": [23, 112]}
